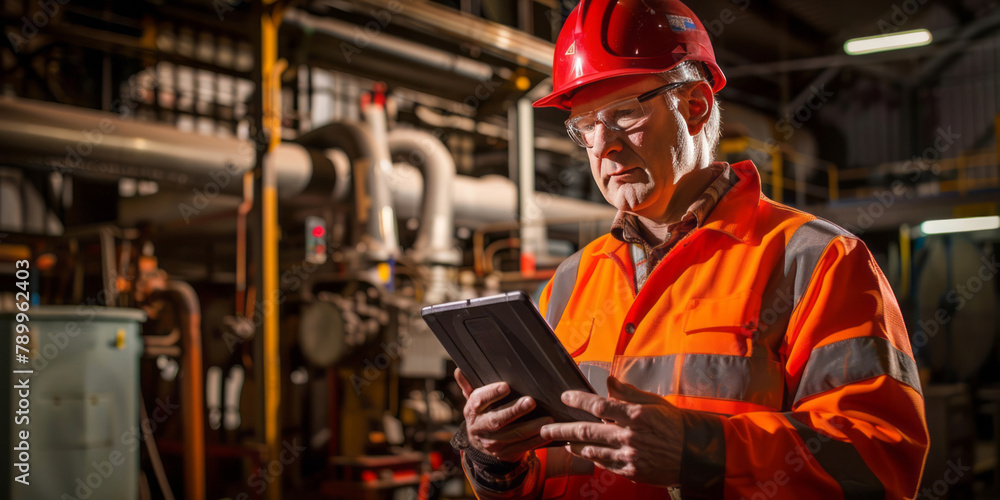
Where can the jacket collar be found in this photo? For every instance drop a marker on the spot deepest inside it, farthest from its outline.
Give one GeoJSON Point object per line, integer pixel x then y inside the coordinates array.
{"type": "Point", "coordinates": [736, 212]}
{"type": "Point", "coordinates": [734, 215]}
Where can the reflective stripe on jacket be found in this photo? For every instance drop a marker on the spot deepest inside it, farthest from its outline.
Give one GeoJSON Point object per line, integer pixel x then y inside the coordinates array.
{"type": "Point", "coordinates": [781, 334]}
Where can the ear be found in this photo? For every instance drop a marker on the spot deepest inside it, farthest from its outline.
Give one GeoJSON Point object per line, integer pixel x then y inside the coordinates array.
{"type": "Point", "coordinates": [699, 102]}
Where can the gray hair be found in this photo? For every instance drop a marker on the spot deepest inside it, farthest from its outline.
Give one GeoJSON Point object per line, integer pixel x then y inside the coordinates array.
{"type": "Point", "coordinates": [695, 71]}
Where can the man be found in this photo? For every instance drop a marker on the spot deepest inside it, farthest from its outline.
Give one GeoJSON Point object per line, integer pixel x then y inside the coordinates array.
{"type": "Point", "coordinates": [740, 348]}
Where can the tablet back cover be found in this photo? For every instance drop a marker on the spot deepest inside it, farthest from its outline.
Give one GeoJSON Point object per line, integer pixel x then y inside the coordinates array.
{"type": "Point", "coordinates": [504, 338]}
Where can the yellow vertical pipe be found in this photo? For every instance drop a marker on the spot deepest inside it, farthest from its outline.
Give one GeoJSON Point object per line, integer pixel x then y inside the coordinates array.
{"type": "Point", "coordinates": [271, 70]}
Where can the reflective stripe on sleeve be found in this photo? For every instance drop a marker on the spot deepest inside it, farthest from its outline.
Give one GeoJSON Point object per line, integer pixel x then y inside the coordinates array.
{"type": "Point", "coordinates": [853, 360]}
{"type": "Point", "coordinates": [841, 461]}
{"type": "Point", "coordinates": [597, 373]}
{"type": "Point", "coordinates": [563, 284]}
{"type": "Point", "coordinates": [804, 250]}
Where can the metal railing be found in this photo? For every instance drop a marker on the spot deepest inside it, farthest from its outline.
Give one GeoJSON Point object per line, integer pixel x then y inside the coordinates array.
{"type": "Point", "coordinates": [969, 171]}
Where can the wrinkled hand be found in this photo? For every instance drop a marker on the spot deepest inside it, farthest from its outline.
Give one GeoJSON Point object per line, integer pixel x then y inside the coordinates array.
{"type": "Point", "coordinates": [641, 438]}
{"type": "Point", "coordinates": [491, 431]}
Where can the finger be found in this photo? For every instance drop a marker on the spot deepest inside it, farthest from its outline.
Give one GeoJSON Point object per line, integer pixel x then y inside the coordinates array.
{"type": "Point", "coordinates": [611, 409]}
{"type": "Point", "coordinates": [519, 431]}
{"type": "Point", "coordinates": [628, 392]}
{"type": "Point", "coordinates": [497, 419]}
{"type": "Point", "coordinates": [463, 383]}
{"type": "Point", "coordinates": [521, 447]}
{"type": "Point", "coordinates": [584, 432]}
{"type": "Point", "coordinates": [603, 455]}
{"type": "Point", "coordinates": [483, 397]}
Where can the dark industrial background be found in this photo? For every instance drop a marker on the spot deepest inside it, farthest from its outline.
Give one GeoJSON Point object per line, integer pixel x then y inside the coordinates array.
{"type": "Point", "coordinates": [234, 210]}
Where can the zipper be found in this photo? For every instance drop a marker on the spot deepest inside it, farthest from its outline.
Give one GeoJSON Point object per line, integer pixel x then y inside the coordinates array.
{"type": "Point", "coordinates": [629, 277]}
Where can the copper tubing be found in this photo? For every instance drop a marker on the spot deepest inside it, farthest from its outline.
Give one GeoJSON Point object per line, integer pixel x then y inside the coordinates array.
{"type": "Point", "coordinates": [241, 243]}
{"type": "Point", "coordinates": [162, 340]}
{"type": "Point", "coordinates": [192, 390]}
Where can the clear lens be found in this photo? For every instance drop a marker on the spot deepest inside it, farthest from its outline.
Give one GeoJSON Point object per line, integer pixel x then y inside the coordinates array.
{"type": "Point", "coordinates": [620, 116]}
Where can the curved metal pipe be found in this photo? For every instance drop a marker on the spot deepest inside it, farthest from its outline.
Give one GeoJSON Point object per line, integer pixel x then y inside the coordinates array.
{"type": "Point", "coordinates": [361, 144]}
{"type": "Point", "coordinates": [382, 221]}
{"type": "Point", "coordinates": [192, 391]}
{"type": "Point", "coordinates": [434, 244]}
{"type": "Point", "coordinates": [490, 198]}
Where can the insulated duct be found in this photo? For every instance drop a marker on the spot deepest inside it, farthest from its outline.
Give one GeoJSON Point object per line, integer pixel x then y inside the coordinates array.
{"type": "Point", "coordinates": [434, 243]}
{"type": "Point", "coordinates": [35, 133]}
{"type": "Point", "coordinates": [106, 145]}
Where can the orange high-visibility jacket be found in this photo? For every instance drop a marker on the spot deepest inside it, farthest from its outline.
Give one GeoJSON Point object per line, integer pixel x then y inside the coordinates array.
{"type": "Point", "coordinates": [780, 333]}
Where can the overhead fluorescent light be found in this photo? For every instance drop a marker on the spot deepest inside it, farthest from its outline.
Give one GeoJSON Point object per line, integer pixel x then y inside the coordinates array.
{"type": "Point", "coordinates": [960, 225]}
{"type": "Point", "coordinates": [892, 41]}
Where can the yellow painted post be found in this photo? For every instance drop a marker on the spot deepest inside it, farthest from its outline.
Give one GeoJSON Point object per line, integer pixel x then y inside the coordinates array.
{"type": "Point", "coordinates": [271, 69]}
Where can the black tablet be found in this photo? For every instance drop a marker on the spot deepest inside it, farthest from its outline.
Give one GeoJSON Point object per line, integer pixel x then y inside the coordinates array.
{"type": "Point", "coordinates": [504, 338]}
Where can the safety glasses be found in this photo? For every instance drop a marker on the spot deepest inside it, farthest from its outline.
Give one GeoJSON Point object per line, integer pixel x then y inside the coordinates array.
{"type": "Point", "coordinates": [620, 116]}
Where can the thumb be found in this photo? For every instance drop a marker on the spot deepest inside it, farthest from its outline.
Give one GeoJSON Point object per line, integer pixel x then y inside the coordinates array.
{"type": "Point", "coordinates": [628, 392]}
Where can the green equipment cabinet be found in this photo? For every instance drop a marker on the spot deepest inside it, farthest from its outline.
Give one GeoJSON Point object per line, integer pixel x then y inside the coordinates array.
{"type": "Point", "coordinates": [78, 408]}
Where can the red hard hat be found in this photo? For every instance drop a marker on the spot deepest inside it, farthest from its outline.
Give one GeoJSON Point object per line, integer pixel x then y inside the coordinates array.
{"type": "Point", "coordinates": [608, 38]}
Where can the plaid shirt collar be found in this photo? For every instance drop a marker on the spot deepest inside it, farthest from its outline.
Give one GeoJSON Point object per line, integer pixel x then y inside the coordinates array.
{"type": "Point", "coordinates": [627, 227]}
{"type": "Point", "coordinates": [646, 252]}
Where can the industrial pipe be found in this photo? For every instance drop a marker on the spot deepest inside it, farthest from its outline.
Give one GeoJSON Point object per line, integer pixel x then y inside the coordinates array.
{"type": "Point", "coordinates": [502, 41]}
{"type": "Point", "coordinates": [394, 45]}
{"type": "Point", "coordinates": [434, 244]}
{"type": "Point", "coordinates": [66, 136]}
{"type": "Point", "coordinates": [382, 219]}
{"type": "Point", "coordinates": [192, 390]}
{"type": "Point", "coordinates": [39, 133]}
{"type": "Point", "coordinates": [488, 199]}
{"type": "Point", "coordinates": [361, 146]}
{"type": "Point", "coordinates": [82, 141]}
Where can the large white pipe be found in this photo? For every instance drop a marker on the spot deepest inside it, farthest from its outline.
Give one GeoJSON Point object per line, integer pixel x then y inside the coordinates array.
{"type": "Point", "coordinates": [434, 244]}
{"type": "Point", "coordinates": [382, 215]}
{"type": "Point", "coordinates": [66, 136]}
{"type": "Point", "coordinates": [488, 199]}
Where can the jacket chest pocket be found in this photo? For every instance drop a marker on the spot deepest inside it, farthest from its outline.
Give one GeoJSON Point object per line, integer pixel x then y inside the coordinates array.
{"type": "Point", "coordinates": [722, 325]}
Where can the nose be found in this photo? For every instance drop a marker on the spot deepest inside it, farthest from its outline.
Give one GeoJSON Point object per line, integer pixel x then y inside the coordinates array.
{"type": "Point", "coordinates": [606, 141]}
